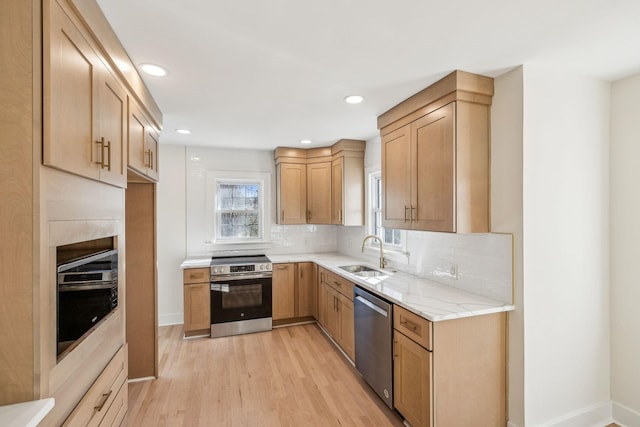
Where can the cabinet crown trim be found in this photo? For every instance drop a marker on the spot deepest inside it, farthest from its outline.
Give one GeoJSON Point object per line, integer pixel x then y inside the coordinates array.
{"type": "Point", "coordinates": [344, 147]}
{"type": "Point", "coordinates": [459, 83]}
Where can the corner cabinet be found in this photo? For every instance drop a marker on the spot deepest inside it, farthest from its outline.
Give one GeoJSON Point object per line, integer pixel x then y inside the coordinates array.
{"type": "Point", "coordinates": [294, 292]}
{"type": "Point", "coordinates": [321, 185]}
{"type": "Point", "coordinates": [84, 104]}
{"type": "Point", "coordinates": [450, 373]}
{"type": "Point", "coordinates": [435, 157]}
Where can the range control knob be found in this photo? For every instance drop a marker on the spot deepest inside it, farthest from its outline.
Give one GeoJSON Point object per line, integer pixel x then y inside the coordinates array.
{"type": "Point", "coordinates": [215, 270]}
{"type": "Point", "coordinates": [268, 267]}
{"type": "Point", "coordinates": [262, 267]}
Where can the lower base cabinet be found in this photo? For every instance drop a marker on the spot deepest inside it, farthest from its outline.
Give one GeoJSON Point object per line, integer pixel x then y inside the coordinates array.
{"type": "Point", "coordinates": [450, 373]}
{"type": "Point", "coordinates": [105, 403]}
{"type": "Point", "coordinates": [197, 302]}
{"type": "Point", "coordinates": [335, 310]}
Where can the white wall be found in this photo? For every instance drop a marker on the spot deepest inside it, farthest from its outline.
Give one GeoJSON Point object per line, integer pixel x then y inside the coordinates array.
{"type": "Point", "coordinates": [171, 222]}
{"type": "Point", "coordinates": [566, 247]}
{"type": "Point", "coordinates": [625, 235]}
{"type": "Point", "coordinates": [506, 216]}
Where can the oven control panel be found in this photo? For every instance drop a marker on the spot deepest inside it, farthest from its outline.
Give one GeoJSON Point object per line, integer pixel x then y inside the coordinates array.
{"type": "Point", "coordinates": [246, 268]}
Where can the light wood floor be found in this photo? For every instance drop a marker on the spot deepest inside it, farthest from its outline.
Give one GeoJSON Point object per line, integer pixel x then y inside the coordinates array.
{"type": "Point", "coordinates": [291, 376]}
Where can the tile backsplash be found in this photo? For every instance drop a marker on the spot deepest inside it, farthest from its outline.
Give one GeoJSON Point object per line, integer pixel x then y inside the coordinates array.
{"type": "Point", "coordinates": [287, 239]}
{"type": "Point", "coordinates": [477, 263]}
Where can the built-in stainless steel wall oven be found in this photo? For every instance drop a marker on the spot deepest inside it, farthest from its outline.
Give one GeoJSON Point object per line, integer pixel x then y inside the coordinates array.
{"type": "Point", "coordinates": [87, 292]}
{"type": "Point", "coordinates": [240, 295]}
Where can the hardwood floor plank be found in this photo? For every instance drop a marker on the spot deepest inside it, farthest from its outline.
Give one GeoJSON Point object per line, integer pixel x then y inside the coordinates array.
{"type": "Point", "coordinates": [291, 376]}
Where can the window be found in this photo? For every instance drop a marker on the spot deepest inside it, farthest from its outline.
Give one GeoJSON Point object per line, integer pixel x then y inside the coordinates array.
{"type": "Point", "coordinates": [238, 210]}
{"type": "Point", "coordinates": [237, 207]}
{"type": "Point", "coordinates": [391, 237]}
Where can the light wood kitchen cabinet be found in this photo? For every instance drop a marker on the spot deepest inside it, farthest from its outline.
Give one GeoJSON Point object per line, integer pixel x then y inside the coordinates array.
{"type": "Point", "coordinates": [84, 105]}
{"type": "Point", "coordinates": [291, 199]}
{"type": "Point", "coordinates": [62, 92]}
{"type": "Point", "coordinates": [319, 193]}
{"type": "Point", "coordinates": [334, 192]}
{"type": "Point", "coordinates": [294, 291]}
{"type": "Point", "coordinates": [197, 301]}
{"type": "Point", "coordinates": [450, 373]}
{"type": "Point", "coordinates": [105, 403]}
{"type": "Point", "coordinates": [336, 310]}
{"type": "Point", "coordinates": [435, 157]}
{"type": "Point", "coordinates": [347, 182]}
{"type": "Point", "coordinates": [283, 291]}
{"type": "Point", "coordinates": [412, 380]}
{"type": "Point", "coordinates": [142, 143]}
{"type": "Point", "coordinates": [306, 290]}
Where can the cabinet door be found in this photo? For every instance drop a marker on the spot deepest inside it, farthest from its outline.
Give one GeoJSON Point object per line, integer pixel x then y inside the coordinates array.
{"type": "Point", "coordinates": [137, 129]}
{"type": "Point", "coordinates": [283, 295]}
{"type": "Point", "coordinates": [433, 171]}
{"type": "Point", "coordinates": [292, 193]}
{"type": "Point", "coordinates": [112, 110]}
{"type": "Point", "coordinates": [70, 91]}
{"type": "Point", "coordinates": [337, 201]}
{"type": "Point", "coordinates": [197, 306]}
{"type": "Point", "coordinates": [306, 298]}
{"type": "Point", "coordinates": [396, 178]}
{"type": "Point", "coordinates": [151, 153]}
{"type": "Point", "coordinates": [346, 334]}
{"type": "Point", "coordinates": [319, 193]}
{"type": "Point", "coordinates": [332, 323]}
{"type": "Point", "coordinates": [412, 381]}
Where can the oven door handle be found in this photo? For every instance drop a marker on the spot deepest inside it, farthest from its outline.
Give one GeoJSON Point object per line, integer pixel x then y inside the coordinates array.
{"type": "Point", "coordinates": [220, 287]}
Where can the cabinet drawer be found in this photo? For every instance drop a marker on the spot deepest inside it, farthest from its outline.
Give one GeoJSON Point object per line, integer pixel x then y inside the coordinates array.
{"type": "Point", "coordinates": [116, 412]}
{"type": "Point", "coordinates": [96, 404]}
{"type": "Point", "coordinates": [413, 326]}
{"type": "Point", "coordinates": [196, 275]}
{"type": "Point", "coordinates": [344, 286]}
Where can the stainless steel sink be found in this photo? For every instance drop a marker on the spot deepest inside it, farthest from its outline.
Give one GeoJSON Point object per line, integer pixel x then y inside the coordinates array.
{"type": "Point", "coordinates": [362, 271]}
{"type": "Point", "coordinates": [356, 268]}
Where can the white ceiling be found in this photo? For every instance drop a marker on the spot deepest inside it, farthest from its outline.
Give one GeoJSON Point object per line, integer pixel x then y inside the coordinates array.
{"type": "Point", "coordinates": [267, 73]}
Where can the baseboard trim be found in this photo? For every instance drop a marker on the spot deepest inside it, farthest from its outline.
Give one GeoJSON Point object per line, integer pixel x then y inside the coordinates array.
{"type": "Point", "coordinates": [171, 319]}
{"type": "Point", "coordinates": [137, 380]}
{"type": "Point", "coordinates": [625, 417]}
{"type": "Point", "coordinates": [597, 415]}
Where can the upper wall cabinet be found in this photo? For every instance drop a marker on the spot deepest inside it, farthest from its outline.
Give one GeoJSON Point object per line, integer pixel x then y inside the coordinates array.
{"type": "Point", "coordinates": [435, 157]}
{"type": "Point", "coordinates": [84, 106]}
{"type": "Point", "coordinates": [321, 185]}
{"type": "Point", "coordinates": [86, 101]}
{"type": "Point", "coordinates": [143, 143]}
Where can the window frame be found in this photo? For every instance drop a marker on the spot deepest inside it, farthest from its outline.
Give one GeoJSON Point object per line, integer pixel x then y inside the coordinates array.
{"type": "Point", "coordinates": [394, 252]}
{"type": "Point", "coordinates": [214, 211]}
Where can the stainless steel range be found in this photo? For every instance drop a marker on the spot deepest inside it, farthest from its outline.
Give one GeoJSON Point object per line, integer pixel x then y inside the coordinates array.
{"type": "Point", "coordinates": [240, 295]}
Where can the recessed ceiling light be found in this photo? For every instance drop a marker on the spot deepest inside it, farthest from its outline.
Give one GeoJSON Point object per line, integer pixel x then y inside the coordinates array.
{"type": "Point", "coordinates": [305, 141]}
{"type": "Point", "coordinates": [354, 99]}
{"type": "Point", "coordinates": [184, 131]}
{"type": "Point", "coordinates": [153, 70]}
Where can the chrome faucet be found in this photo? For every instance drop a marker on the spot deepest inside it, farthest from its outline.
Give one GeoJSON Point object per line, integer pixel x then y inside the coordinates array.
{"type": "Point", "coordinates": [383, 261]}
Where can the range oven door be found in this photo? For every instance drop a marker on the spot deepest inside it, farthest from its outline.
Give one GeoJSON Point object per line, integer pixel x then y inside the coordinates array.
{"type": "Point", "coordinates": [236, 299]}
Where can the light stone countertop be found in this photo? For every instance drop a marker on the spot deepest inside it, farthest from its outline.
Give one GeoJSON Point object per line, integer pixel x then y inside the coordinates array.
{"type": "Point", "coordinates": [427, 298]}
{"type": "Point", "coordinates": [26, 414]}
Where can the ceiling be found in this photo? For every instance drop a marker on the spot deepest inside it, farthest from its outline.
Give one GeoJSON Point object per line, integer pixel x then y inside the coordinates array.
{"type": "Point", "coordinates": [264, 73]}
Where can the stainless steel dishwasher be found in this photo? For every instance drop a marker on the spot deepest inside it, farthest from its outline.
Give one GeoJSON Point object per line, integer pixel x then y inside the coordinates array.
{"type": "Point", "coordinates": [373, 323]}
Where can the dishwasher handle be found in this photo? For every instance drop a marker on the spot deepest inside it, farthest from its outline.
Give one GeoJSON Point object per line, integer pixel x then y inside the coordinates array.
{"type": "Point", "coordinates": [372, 306]}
